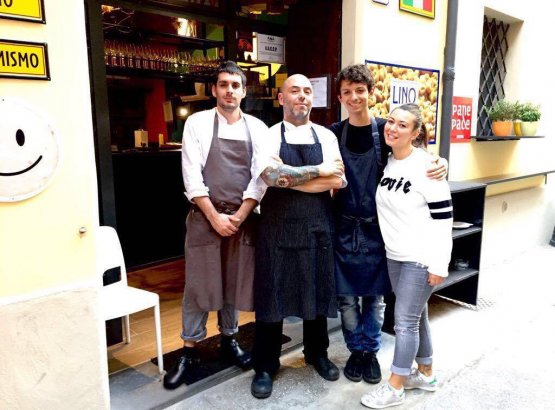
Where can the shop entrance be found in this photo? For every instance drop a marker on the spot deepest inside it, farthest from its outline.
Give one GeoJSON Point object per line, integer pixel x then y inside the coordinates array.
{"type": "Point", "coordinates": [150, 69]}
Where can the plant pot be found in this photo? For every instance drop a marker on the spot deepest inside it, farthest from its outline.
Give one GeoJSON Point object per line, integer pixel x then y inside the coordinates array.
{"type": "Point", "coordinates": [529, 128]}
{"type": "Point", "coordinates": [502, 128]}
{"type": "Point", "coordinates": [517, 128]}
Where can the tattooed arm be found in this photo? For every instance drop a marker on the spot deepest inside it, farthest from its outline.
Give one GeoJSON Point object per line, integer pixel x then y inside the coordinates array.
{"type": "Point", "coordinates": [285, 176]}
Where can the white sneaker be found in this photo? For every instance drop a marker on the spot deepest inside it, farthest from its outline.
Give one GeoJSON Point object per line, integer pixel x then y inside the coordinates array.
{"type": "Point", "coordinates": [382, 397]}
{"type": "Point", "coordinates": [417, 380]}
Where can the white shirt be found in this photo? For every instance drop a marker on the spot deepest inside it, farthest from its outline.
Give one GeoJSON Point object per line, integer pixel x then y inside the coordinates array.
{"type": "Point", "coordinates": [299, 135]}
{"type": "Point", "coordinates": [197, 138]}
{"type": "Point", "coordinates": [415, 213]}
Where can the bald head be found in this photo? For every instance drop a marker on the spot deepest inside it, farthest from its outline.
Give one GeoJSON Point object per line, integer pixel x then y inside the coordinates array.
{"type": "Point", "coordinates": [297, 79]}
{"type": "Point", "coordinates": [296, 99]}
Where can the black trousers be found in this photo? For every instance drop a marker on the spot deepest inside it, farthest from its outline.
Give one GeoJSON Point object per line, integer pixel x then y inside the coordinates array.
{"type": "Point", "coordinates": [267, 343]}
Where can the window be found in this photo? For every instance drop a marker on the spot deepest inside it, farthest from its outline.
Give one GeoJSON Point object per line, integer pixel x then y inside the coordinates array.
{"type": "Point", "coordinates": [492, 70]}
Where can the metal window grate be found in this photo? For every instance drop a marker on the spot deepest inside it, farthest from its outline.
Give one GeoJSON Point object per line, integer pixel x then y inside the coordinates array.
{"type": "Point", "coordinates": [492, 70]}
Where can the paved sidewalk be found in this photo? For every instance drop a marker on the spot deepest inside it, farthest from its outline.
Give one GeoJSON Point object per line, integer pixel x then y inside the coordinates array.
{"type": "Point", "coordinates": [499, 355]}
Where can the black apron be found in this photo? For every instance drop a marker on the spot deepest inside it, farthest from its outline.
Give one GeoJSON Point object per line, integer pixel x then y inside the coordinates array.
{"type": "Point", "coordinates": [360, 262]}
{"type": "Point", "coordinates": [294, 256]}
{"type": "Point", "coordinates": [220, 269]}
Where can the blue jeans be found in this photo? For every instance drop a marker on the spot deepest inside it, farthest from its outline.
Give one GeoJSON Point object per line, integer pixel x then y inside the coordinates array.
{"type": "Point", "coordinates": [412, 329]}
{"type": "Point", "coordinates": [362, 328]}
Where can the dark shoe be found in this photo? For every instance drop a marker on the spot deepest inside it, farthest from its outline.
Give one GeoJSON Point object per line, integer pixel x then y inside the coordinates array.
{"type": "Point", "coordinates": [261, 386]}
{"type": "Point", "coordinates": [324, 367]}
{"type": "Point", "coordinates": [176, 376]}
{"type": "Point", "coordinates": [354, 366]}
{"type": "Point", "coordinates": [371, 372]}
{"type": "Point", "coordinates": [232, 352]}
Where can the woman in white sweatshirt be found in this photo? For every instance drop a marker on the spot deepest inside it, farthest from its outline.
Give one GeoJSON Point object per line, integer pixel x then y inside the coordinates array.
{"type": "Point", "coordinates": [415, 216]}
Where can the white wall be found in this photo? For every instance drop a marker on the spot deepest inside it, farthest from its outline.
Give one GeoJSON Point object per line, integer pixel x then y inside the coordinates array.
{"type": "Point", "coordinates": [53, 351]}
{"type": "Point", "coordinates": [530, 211]}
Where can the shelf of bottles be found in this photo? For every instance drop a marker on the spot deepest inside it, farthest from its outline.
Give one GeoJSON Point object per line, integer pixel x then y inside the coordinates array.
{"type": "Point", "coordinates": [156, 60]}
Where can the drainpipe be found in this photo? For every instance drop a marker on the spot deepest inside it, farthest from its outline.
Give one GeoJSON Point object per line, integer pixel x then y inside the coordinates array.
{"type": "Point", "coordinates": [448, 78]}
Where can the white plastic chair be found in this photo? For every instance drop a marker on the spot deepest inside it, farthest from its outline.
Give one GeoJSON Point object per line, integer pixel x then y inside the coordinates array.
{"type": "Point", "coordinates": [118, 299]}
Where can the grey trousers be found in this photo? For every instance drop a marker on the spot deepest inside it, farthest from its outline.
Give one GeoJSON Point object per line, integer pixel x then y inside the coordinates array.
{"type": "Point", "coordinates": [194, 322]}
{"type": "Point", "coordinates": [413, 339]}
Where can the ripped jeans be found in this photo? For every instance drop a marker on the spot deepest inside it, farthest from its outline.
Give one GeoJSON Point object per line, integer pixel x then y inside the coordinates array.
{"type": "Point", "coordinates": [412, 329]}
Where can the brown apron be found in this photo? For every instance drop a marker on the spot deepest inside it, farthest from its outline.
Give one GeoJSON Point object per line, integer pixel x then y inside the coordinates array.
{"type": "Point", "coordinates": [221, 269]}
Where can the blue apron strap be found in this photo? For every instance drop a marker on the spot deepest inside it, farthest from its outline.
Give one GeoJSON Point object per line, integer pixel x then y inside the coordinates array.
{"type": "Point", "coordinates": [283, 133]}
{"type": "Point", "coordinates": [343, 140]}
{"type": "Point", "coordinates": [377, 145]}
{"type": "Point", "coordinates": [315, 136]}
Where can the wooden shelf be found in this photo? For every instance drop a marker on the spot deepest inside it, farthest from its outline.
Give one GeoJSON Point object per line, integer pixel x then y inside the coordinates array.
{"type": "Point", "coordinates": [459, 233]}
{"type": "Point", "coordinates": [462, 186]}
{"type": "Point", "coordinates": [456, 276]}
{"type": "Point", "coordinates": [508, 138]}
{"type": "Point", "coordinates": [497, 179]}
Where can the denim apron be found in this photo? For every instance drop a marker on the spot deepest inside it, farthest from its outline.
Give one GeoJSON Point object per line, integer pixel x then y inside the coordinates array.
{"type": "Point", "coordinates": [221, 269]}
{"type": "Point", "coordinates": [360, 262]}
{"type": "Point", "coordinates": [294, 256]}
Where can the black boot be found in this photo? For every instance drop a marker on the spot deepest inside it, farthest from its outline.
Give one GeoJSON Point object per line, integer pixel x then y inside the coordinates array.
{"type": "Point", "coordinates": [261, 386]}
{"type": "Point", "coordinates": [371, 372]}
{"type": "Point", "coordinates": [324, 367]}
{"type": "Point", "coordinates": [232, 352]}
{"type": "Point", "coordinates": [176, 376]}
{"type": "Point", "coordinates": [354, 366]}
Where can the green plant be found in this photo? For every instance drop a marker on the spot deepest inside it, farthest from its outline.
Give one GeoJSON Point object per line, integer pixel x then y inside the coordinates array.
{"type": "Point", "coordinates": [502, 110]}
{"type": "Point", "coordinates": [528, 112]}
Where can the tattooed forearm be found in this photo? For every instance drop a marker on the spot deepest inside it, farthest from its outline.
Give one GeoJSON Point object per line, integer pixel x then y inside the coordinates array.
{"type": "Point", "coordinates": [285, 176]}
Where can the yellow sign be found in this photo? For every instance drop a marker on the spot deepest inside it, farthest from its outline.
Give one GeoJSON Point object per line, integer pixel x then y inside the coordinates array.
{"type": "Point", "coordinates": [21, 59]}
{"type": "Point", "coordinates": [30, 10]}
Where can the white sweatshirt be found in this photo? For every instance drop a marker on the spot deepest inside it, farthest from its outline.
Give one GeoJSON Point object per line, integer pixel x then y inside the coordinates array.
{"type": "Point", "coordinates": [415, 213]}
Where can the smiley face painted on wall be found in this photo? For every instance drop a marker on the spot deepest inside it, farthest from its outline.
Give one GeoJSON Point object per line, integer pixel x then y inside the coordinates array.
{"type": "Point", "coordinates": [29, 151]}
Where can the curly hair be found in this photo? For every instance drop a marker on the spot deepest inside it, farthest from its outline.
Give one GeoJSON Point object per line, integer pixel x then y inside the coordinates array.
{"type": "Point", "coordinates": [357, 73]}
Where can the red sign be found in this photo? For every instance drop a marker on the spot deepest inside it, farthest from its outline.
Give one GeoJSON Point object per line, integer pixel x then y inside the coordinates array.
{"type": "Point", "coordinates": [461, 119]}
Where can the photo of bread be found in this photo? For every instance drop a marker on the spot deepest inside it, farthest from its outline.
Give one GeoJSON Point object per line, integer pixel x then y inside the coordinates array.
{"type": "Point", "coordinates": [428, 92]}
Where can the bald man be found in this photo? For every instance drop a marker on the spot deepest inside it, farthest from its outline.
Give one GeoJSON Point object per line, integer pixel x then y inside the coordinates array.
{"type": "Point", "coordinates": [294, 274]}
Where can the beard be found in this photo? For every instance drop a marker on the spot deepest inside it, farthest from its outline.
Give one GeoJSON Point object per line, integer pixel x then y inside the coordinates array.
{"type": "Point", "coordinates": [228, 106]}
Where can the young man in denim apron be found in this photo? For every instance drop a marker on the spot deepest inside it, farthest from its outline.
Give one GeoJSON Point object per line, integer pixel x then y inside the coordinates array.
{"type": "Point", "coordinates": [360, 262]}
{"type": "Point", "coordinates": [218, 161]}
{"type": "Point", "coordinates": [294, 256]}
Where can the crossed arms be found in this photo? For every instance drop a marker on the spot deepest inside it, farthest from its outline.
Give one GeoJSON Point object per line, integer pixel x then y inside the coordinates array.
{"type": "Point", "coordinates": [310, 178]}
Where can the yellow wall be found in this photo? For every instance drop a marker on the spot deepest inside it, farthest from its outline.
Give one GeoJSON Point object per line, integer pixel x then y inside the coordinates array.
{"type": "Point", "coordinates": [40, 245]}
{"type": "Point", "coordinates": [53, 347]}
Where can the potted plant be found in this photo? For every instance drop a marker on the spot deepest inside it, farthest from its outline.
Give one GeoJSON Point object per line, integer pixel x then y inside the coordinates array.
{"type": "Point", "coordinates": [529, 114]}
{"type": "Point", "coordinates": [517, 121]}
{"type": "Point", "coordinates": [502, 114]}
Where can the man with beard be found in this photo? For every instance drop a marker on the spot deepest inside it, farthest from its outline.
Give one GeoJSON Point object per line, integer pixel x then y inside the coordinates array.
{"type": "Point", "coordinates": [294, 255]}
{"type": "Point", "coordinates": [219, 157]}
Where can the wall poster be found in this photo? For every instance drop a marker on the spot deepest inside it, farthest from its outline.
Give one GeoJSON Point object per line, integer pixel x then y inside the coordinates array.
{"type": "Point", "coordinates": [398, 84]}
{"type": "Point", "coordinates": [461, 119]}
{"type": "Point", "coordinates": [426, 8]}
